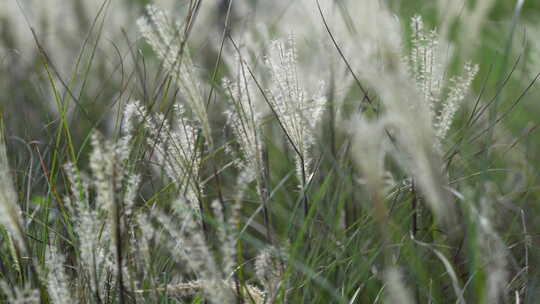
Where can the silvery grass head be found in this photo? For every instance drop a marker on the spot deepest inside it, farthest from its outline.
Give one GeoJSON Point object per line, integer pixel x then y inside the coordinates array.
{"type": "Point", "coordinates": [297, 107]}
{"type": "Point", "coordinates": [428, 67]}
{"type": "Point", "coordinates": [167, 39]}
{"type": "Point", "coordinates": [245, 118]}
{"type": "Point", "coordinates": [10, 218]}
{"type": "Point", "coordinates": [174, 147]}
{"type": "Point", "coordinates": [100, 222]}
{"type": "Point", "coordinates": [417, 112]}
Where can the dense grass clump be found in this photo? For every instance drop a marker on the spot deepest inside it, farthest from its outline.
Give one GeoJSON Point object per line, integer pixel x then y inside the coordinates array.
{"type": "Point", "coordinates": [268, 152]}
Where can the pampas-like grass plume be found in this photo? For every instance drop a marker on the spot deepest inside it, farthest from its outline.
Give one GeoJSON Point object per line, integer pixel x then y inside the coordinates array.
{"type": "Point", "coordinates": [167, 40]}
{"type": "Point", "coordinates": [297, 110]}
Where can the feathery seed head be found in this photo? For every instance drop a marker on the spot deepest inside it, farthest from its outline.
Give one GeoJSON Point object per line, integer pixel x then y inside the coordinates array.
{"type": "Point", "coordinates": [10, 213]}
{"type": "Point", "coordinates": [167, 40]}
{"type": "Point", "coordinates": [297, 113]}
{"type": "Point", "coordinates": [427, 66]}
{"type": "Point", "coordinates": [268, 269]}
{"type": "Point", "coordinates": [57, 280]}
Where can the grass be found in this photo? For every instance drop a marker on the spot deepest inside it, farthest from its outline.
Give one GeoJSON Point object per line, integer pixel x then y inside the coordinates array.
{"type": "Point", "coordinates": [178, 161]}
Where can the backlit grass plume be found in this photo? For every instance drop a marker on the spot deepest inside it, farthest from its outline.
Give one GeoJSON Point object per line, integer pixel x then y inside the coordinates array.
{"type": "Point", "coordinates": [167, 38]}
{"type": "Point", "coordinates": [245, 118]}
{"type": "Point", "coordinates": [297, 110]}
{"type": "Point", "coordinates": [10, 218]}
{"type": "Point", "coordinates": [172, 146]}
{"type": "Point", "coordinates": [428, 67]}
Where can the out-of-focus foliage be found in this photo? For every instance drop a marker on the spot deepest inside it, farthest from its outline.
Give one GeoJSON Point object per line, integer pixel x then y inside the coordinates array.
{"type": "Point", "coordinates": [187, 151]}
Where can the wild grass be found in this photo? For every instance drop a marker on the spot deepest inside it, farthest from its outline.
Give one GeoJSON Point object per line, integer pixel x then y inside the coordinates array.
{"type": "Point", "coordinates": [268, 152]}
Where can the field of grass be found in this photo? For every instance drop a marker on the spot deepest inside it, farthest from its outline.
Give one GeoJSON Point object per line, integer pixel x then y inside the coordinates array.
{"type": "Point", "coordinates": [306, 151]}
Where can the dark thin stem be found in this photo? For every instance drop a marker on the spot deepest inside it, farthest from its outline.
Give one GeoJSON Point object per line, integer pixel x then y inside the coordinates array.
{"type": "Point", "coordinates": [304, 186]}
{"type": "Point", "coordinates": [118, 244]}
{"type": "Point", "coordinates": [218, 59]}
{"type": "Point", "coordinates": [414, 206]}
{"type": "Point", "coordinates": [264, 195]}
{"type": "Point", "coordinates": [356, 79]}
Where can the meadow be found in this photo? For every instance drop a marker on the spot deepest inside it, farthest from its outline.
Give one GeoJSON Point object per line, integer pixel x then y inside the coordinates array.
{"type": "Point", "coordinates": [251, 151]}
